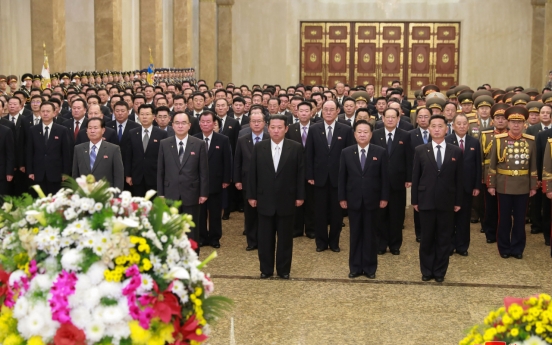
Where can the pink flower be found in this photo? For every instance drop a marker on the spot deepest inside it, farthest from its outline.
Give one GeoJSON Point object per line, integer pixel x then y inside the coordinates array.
{"type": "Point", "coordinates": [63, 287]}
{"type": "Point", "coordinates": [132, 271]}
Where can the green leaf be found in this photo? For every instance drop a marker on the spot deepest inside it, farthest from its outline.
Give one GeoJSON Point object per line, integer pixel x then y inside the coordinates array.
{"type": "Point", "coordinates": [108, 302]}
{"type": "Point", "coordinates": [215, 307]}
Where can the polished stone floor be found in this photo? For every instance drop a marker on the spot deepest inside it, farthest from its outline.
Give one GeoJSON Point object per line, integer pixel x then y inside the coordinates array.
{"type": "Point", "coordinates": [321, 305]}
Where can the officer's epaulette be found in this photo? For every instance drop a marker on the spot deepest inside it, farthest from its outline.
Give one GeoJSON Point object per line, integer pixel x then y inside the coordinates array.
{"type": "Point", "coordinates": [487, 132]}
{"type": "Point", "coordinates": [550, 140]}
{"type": "Point", "coordinates": [501, 135]}
{"type": "Point", "coordinates": [372, 117]}
{"type": "Point", "coordinates": [472, 121]}
{"type": "Point", "coordinates": [470, 115]}
{"type": "Point", "coordinates": [458, 111]}
{"type": "Point", "coordinates": [528, 136]}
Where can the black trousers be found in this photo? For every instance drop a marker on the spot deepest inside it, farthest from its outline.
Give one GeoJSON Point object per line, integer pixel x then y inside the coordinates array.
{"type": "Point", "coordinates": [391, 220]}
{"type": "Point", "coordinates": [49, 187]}
{"type": "Point", "coordinates": [269, 228]}
{"type": "Point", "coordinates": [140, 189]}
{"type": "Point", "coordinates": [19, 184]}
{"type": "Point", "coordinates": [478, 204]}
{"type": "Point", "coordinates": [363, 256]}
{"type": "Point", "coordinates": [212, 209]}
{"type": "Point", "coordinates": [304, 216]}
{"type": "Point", "coordinates": [461, 235]}
{"type": "Point", "coordinates": [251, 222]}
{"type": "Point", "coordinates": [490, 223]}
{"type": "Point", "coordinates": [328, 208]}
{"type": "Point", "coordinates": [194, 231]}
{"type": "Point", "coordinates": [417, 224]}
{"type": "Point", "coordinates": [511, 234]}
{"type": "Point", "coordinates": [535, 211]}
{"type": "Point", "coordinates": [437, 227]}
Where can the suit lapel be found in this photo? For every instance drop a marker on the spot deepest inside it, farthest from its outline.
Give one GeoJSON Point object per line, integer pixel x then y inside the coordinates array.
{"type": "Point", "coordinates": [356, 157]}
{"type": "Point", "coordinates": [87, 158]}
{"type": "Point", "coordinates": [187, 152]}
{"type": "Point", "coordinates": [174, 151]}
{"type": "Point", "coordinates": [101, 153]}
{"type": "Point", "coordinates": [269, 149]}
{"type": "Point", "coordinates": [431, 155]}
{"type": "Point", "coordinates": [283, 157]}
{"type": "Point", "coordinates": [212, 146]}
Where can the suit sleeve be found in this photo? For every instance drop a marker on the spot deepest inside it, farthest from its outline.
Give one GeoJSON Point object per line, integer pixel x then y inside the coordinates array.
{"type": "Point", "coordinates": [67, 151]}
{"type": "Point", "coordinates": [29, 168]}
{"type": "Point", "coordinates": [342, 178]}
{"type": "Point", "coordinates": [10, 153]}
{"type": "Point", "coordinates": [252, 180]}
{"type": "Point", "coordinates": [161, 171]}
{"type": "Point", "coordinates": [227, 156]}
{"type": "Point", "coordinates": [127, 148]}
{"type": "Point", "coordinates": [75, 171]}
{"type": "Point", "coordinates": [416, 172]}
{"type": "Point", "coordinates": [351, 137]}
{"type": "Point", "coordinates": [118, 170]}
{"type": "Point", "coordinates": [459, 178]}
{"type": "Point", "coordinates": [540, 142]}
{"type": "Point", "coordinates": [409, 150]}
{"type": "Point", "coordinates": [310, 155]}
{"type": "Point", "coordinates": [300, 173]}
{"type": "Point", "coordinates": [203, 172]}
{"type": "Point", "coordinates": [238, 164]}
{"type": "Point", "coordinates": [478, 165]}
{"type": "Point", "coordinates": [385, 183]}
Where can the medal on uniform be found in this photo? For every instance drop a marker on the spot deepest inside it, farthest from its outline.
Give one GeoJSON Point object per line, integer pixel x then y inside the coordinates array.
{"type": "Point", "coordinates": [516, 144]}
{"type": "Point", "coordinates": [516, 156]}
{"type": "Point", "coordinates": [522, 161]}
{"type": "Point", "coordinates": [522, 143]}
{"type": "Point", "coordinates": [510, 156]}
{"type": "Point", "coordinates": [510, 150]}
{"type": "Point", "coordinates": [522, 156]}
{"type": "Point", "coordinates": [517, 162]}
{"type": "Point", "coordinates": [516, 150]}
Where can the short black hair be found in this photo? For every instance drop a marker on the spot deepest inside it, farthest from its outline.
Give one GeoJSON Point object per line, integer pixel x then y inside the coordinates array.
{"type": "Point", "coordinates": [208, 113]}
{"type": "Point", "coordinates": [162, 108]}
{"type": "Point", "coordinates": [198, 94]}
{"type": "Point", "coordinates": [121, 103]}
{"type": "Point", "coordinates": [363, 122]}
{"type": "Point", "coordinates": [396, 111]}
{"type": "Point", "coordinates": [145, 106]}
{"type": "Point", "coordinates": [239, 100]}
{"type": "Point", "coordinates": [102, 123]}
{"type": "Point", "coordinates": [309, 104]}
{"type": "Point", "coordinates": [48, 103]}
{"type": "Point", "coordinates": [278, 117]}
{"type": "Point", "coordinates": [441, 117]}
{"type": "Point", "coordinates": [84, 104]}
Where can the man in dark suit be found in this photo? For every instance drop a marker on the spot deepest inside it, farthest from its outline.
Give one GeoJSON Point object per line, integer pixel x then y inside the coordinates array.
{"type": "Point", "coordinates": [109, 134]}
{"type": "Point", "coordinates": [7, 159]}
{"type": "Point", "coordinates": [183, 171]}
{"type": "Point", "coordinates": [238, 107]}
{"type": "Point", "coordinates": [48, 151]}
{"type": "Point", "coordinates": [325, 142]}
{"type": "Point", "coordinates": [396, 143]}
{"type": "Point", "coordinates": [541, 143]}
{"type": "Point", "coordinates": [276, 165]}
{"type": "Point", "coordinates": [78, 122]}
{"type": "Point", "coordinates": [220, 175]}
{"type": "Point", "coordinates": [471, 149]}
{"type": "Point", "coordinates": [363, 189]}
{"type": "Point", "coordinates": [179, 106]}
{"type": "Point", "coordinates": [304, 217]}
{"type": "Point", "coordinates": [420, 136]}
{"type": "Point", "coordinates": [141, 152]}
{"type": "Point", "coordinates": [19, 183]}
{"type": "Point", "coordinates": [437, 194]}
{"type": "Point", "coordinates": [98, 157]}
{"type": "Point", "coordinates": [242, 163]}
{"type": "Point", "coordinates": [122, 126]}
{"type": "Point", "coordinates": [231, 128]}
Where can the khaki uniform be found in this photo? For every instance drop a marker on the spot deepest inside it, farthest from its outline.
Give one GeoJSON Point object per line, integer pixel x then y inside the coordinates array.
{"type": "Point", "coordinates": [486, 139]}
{"type": "Point", "coordinates": [547, 168]}
{"type": "Point", "coordinates": [513, 165]}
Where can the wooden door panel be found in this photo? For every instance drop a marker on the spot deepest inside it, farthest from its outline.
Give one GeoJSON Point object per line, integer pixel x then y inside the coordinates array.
{"type": "Point", "coordinates": [366, 58]}
{"type": "Point", "coordinates": [447, 44]}
{"type": "Point", "coordinates": [445, 61]}
{"type": "Point", "coordinates": [337, 55]}
{"type": "Point", "coordinates": [312, 53]}
{"type": "Point", "coordinates": [338, 52]}
{"type": "Point", "coordinates": [416, 83]}
{"type": "Point", "coordinates": [420, 56]}
{"type": "Point", "coordinates": [391, 56]}
{"type": "Point", "coordinates": [313, 57]}
{"type": "Point", "coordinates": [445, 83]}
{"type": "Point", "coordinates": [366, 55]}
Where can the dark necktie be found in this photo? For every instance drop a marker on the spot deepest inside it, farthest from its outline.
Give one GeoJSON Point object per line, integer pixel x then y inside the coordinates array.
{"type": "Point", "coordinates": [329, 136]}
{"type": "Point", "coordinates": [362, 158]}
{"type": "Point", "coordinates": [13, 119]}
{"type": "Point", "coordinates": [120, 132]}
{"type": "Point", "coordinates": [207, 143]}
{"type": "Point", "coordinates": [389, 142]}
{"type": "Point", "coordinates": [439, 159]}
{"type": "Point", "coordinates": [145, 140]}
{"type": "Point", "coordinates": [256, 140]}
{"type": "Point", "coordinates": [545, 128]}
{"type": "Point", "coordinates": [304, 136]}
{"type": "Point", "coordinates": [76, 129]}
{"type": "Point", "coordinates": [462, 145]}
{"type": "Point", "coordinates": [46, 135]}
{"type": "Point", "coordinates": [181, 152]}
{"type": "Point", "coordinates": [449, 129]}
{"type": "Point", "coordinates": [425, 137]}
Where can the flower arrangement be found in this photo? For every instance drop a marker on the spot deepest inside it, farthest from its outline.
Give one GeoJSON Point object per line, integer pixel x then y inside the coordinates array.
{"type": "Point", "coordinates": [85, 267]}
{"type": "Point", "coordinates": [521, 321]}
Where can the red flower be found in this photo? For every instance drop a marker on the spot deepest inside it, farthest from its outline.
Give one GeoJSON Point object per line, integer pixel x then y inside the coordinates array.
{"type": "Point", "coordinates": [68, 334]}
{"type": "Point", "coordinates": [165, 304]}
{"type": "Point", "coordinates": [193, 244]}
{"type": "Point", "coordinates": [4, 279]}
{"type": "Point", "coordinates": [187, 332]}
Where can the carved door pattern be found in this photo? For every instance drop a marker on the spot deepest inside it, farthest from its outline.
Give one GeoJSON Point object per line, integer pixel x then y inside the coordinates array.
{"type": "Point", "coordinates": [366, 66]}
{"type": "Point", "coordinates": [432, 55]}
{"type": "Point", "coordinates": [391, 62]}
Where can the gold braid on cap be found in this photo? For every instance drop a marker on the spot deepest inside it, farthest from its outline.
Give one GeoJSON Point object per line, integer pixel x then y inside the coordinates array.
{"type": "Point", "coordinates": [516, 116]}
{"type": "Point", "coordinates": [484, 103]}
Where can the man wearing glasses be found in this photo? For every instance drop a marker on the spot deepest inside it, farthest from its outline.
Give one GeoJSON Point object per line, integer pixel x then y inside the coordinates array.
{"type": "Point", "coordinates": [183, 170]}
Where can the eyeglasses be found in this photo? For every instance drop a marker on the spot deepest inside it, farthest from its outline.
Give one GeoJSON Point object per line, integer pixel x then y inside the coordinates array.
{"type": "Point", "coordinates": [183, 123]}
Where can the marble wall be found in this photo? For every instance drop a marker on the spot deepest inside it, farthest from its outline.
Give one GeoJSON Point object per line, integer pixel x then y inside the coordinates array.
{"type": "Point", "coordinates": [266, 48]}
{"type": "Point", "coordinates": [79, 33]}
{"type": "Point", "coordinates": [131, 34]}
{"type": "Point", "coordinates": [15, 37]}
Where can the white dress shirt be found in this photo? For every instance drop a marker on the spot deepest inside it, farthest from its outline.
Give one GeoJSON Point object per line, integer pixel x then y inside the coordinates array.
{"type": "Point", "coordinates": [49, 128]}
{"type": "Point", "coordinates": [184, 143]}
{"type": "Point", "coordinates": [392, 134]}
{"type": "Point", "coordinates": [273, 147]}
{"type": "Point", "coordinates": [144, 131]}
{"type": "Point", "coordinates": [461, 138]}
{"type": "Point", "coordinates": [210, 140]}
{"type": "Point", "coordinates": [97, 146]}
{"type": "Point", "coordinates": [117, 124]}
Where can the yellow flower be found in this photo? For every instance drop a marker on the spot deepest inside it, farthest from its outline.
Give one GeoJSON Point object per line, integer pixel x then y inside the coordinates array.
{"type": "Point", "coordinates": [35, 340]}
{"type": "Point", "coordinates": [13, 339]}
{"type": "Point", "coordinates": [514, 332]}
{"type": "Point", "coordinates": [515, 311]}
{"type": "Point", "coordinates": [507, 320]}
{"type": "Point", "coordinates": [532, 301]}
{"type": "Point", "coordinates": [500, 329]}
{"type": "Point", "coordinates": [489, 334]}
{"type": "Point", "coordinates": [138, 334]}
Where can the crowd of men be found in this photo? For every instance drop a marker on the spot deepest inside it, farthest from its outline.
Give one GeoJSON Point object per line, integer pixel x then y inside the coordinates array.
{"type": "Point", "coordinates": [282, 155]}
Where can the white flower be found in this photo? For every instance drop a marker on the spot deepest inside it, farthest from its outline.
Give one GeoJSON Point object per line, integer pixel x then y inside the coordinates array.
{"type": "Point", "coordinates": [98, 207]}
{"type": "Point", "coordinates": [535, 340]}
{"type": "Point", "coordinates": [92, 298]}
{"type": "Point", "coordinates": [41, 282]}
{"type": "Point", "coordinates": [121, 223]}
{"type": "Point", "coordinates": [94, 331]}
{"type": "Point", "coordinates": [155, 261]}
{"type": "Point", "coordinates": [20, 308]}
{"type": "Point", "coordinates": [111, 289]}
{"type": "Point", "coordinates": [149, 194]}
{"type": "Point", "coordinates": [34, 323]}
{"type": "Point", "coordinates": [112, 314]}
{"type": "Point", "coordinates": [69, 213]}
{"type": "Point", "coordinates": [146, 283]}
{"type": "Point", "coordinates": [96, 273]}
{"type": "Point", "coordinates": [7, 207]}
{"type": "Point", "coordinates": [71, 259]}
{"type": "Point", "coordinates": [178, 272]}
{"type": "Point", "coordinates": [164, 239]}
{"type": "Point", "coordinates": [16, 277]}
{"type": "Point", "coordinates": [118, 331]}
{"type": "Point", "coordinates": [80, 317]}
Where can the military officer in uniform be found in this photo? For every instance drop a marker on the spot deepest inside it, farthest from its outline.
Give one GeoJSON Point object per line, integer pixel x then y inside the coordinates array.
{"type": "Point", "coordinates": [465, 99]}
{"type": "Point", "coordinates": [513, 177]}
{"type": "Point", "coordinates": [547, 177]}
{"type": "Point", "coordinates": [500, 125]}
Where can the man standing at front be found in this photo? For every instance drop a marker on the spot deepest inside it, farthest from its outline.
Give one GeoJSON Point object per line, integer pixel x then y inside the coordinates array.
{"type": "Point", "coordinates": [363, 189]}
{"type": "Point", "coordinates": [325, 141]}
{"type": "Point", "coordinates": [513, 177]}
{"type": "Point", "coordinates": [276, 165]}
{"type": "Point", "coordinates": [436, 194]}
{"type": "Point", "coordinates": [183, 170]}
